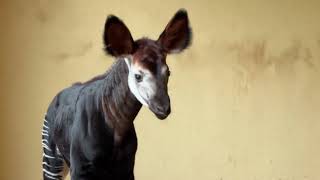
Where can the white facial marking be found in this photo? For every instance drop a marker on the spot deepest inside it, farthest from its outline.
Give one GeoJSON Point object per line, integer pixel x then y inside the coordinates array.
{"type": "Point", "coordinates": [144, 90]}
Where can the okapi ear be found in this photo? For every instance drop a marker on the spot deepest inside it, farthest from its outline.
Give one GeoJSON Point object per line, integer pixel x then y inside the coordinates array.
{"type": "Point", "coordinates": [177, 34]}
{"type": "Point", "coordinates": [117, 38]}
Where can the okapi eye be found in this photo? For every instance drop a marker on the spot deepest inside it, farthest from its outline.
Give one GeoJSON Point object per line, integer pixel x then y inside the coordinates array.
{"type": "Point", "coordinates": [138, 77]}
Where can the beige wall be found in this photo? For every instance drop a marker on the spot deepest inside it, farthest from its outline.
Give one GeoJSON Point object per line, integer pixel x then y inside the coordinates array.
{"type": "Point", "coordinates": [245, 96]}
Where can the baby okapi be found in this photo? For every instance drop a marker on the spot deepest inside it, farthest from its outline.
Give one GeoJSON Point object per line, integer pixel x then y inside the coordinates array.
{"type": "Point", "coordinates": [89, 126]}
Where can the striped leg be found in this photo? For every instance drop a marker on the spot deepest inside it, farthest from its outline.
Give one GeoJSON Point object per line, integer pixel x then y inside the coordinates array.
{"type": "Point", "coordinates": [54, 167]}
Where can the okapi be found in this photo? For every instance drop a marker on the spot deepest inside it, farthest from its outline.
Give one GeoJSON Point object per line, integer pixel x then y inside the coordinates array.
{"type": "Point", "coordinates": [88, 127]}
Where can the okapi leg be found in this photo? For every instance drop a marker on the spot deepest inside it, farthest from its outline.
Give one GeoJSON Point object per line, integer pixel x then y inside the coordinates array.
{"type": "Point", "coordinates": [53, 164]}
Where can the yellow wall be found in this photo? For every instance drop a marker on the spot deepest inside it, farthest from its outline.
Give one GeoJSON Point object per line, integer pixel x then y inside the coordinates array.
{"type": "Point", "coordinates": [245, 96]}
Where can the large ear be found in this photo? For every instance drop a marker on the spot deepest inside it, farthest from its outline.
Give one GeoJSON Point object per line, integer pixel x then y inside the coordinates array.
{"type": "Point", "coordinates": [177, 34]}
{"type": "Point", "coordinates": [117, 37]}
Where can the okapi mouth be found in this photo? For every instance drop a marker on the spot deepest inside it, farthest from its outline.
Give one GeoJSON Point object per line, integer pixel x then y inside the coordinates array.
{"type": "Point", "coordinates": [162, 116]}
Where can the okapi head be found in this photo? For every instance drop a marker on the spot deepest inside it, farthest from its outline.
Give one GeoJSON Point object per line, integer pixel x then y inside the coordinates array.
{"type": "Point", "coordinates": [146, 59]}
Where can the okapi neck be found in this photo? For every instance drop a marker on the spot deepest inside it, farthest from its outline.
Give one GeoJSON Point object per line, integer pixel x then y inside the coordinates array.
{"type": "Point", "coordinates": [119, 105]}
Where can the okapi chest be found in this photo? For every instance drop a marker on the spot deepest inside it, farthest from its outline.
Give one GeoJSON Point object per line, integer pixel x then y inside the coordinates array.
{"type": "Point", "coordinates": [89, 126]}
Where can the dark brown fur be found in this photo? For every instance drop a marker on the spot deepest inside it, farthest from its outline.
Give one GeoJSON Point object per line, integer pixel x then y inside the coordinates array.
{"type": "Point", "coordinates": [91, 123]}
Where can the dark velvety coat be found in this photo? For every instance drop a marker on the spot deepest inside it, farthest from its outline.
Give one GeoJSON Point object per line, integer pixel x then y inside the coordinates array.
{"type": "Point", "coordinates": [90, 125]}
{"type": "Point", "coordinates": [84, 120]}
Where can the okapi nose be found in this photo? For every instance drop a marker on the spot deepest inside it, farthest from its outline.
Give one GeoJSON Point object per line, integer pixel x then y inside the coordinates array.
{"type": "Point", "coordinates": [166, 109]}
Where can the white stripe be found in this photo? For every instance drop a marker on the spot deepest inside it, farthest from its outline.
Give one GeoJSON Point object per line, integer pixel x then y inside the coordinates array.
{"type": "Point", "coordinates": [45, 120]}
{"type": "Point", "coordinates": [45, 163]}
{"type": "Point", "coordinates": [48, 176]}
{"type": "Point", "coordinates": [58, 151]}
{"type": "Point", "coordinates": [44, 140]}
{"type": "Point", "coordinates": [45, 126]}
{"type": "Point", "coordinates": [51, 157]}
{"type": "Point", "coordinates": [45, 131]}
{"type": "Point", "coordinates": [50, 173]}
{"type": "Point", "coordinates": [46, 147]}
{"type": "Point", "coordinates": [44, 134]}
{"type": "Point", "coordinates": [47, 156]}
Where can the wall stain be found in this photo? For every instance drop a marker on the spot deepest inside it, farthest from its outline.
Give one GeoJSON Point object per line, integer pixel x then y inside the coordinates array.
{"type": "Point", "coordinates": [308, 58]}
{"type": "Point", "coordinates": [248, 59]}
{"type": "Point", "coordinates": [251, 60]}
{"type": "Point", "coordinates": [81, 51]}
{"type": "Point", "coordinates": [41, 15]}
{"type": "Point", "coordinates": [46, 10]}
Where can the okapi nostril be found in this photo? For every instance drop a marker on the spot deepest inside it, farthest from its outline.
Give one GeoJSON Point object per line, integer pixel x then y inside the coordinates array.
{"type": "Point", "coordinates": [159, 108]}
{"type": "Point", "coordinates": [163, 109]}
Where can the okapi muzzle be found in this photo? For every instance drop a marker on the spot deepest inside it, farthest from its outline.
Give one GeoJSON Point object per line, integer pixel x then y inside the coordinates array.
{"type": "Point", "coordinates": [160, 104]}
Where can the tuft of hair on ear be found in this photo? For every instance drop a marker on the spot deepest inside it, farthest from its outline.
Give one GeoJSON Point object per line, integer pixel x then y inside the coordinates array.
{"type": "Point", "coordinates": [182, 13]}
{"type": "Point", "coordinates": [117, 37]}
{"type": "Point", "coordinates": [177, 35]}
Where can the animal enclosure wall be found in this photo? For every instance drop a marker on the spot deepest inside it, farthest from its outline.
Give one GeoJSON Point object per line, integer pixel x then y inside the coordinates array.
{"type": "Point", "coordinates": [245, 96]}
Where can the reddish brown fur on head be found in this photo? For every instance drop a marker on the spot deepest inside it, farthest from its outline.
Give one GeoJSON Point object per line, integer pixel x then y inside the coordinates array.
{"type": "Point", "coordinates": [146, 58]}
{"type": "Point", "coordinates": [175, 38]}
{"type": "Point", "coordinates": [149, 54]}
